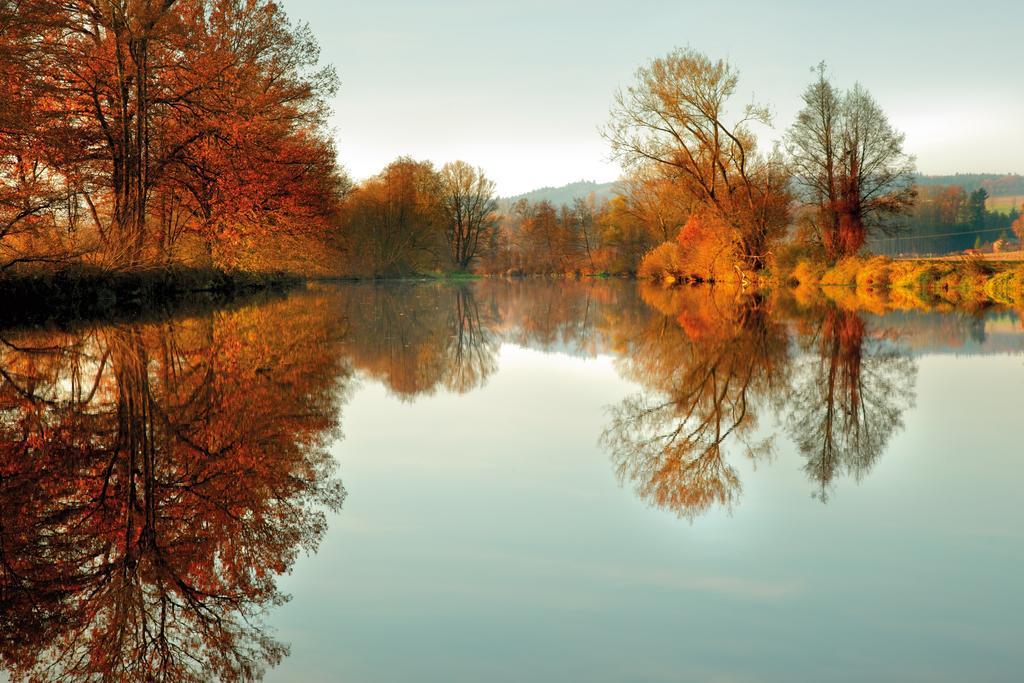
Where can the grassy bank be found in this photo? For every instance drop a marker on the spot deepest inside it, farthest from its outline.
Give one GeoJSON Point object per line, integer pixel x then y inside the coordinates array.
{"type": "Point", "coordinates": [66, 296]}
{"type": "Point", "coordinates": [882, 282]}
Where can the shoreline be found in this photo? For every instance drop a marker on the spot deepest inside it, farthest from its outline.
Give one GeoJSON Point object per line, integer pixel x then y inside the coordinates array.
{"type": "Point", "coordinates": [69, 297]}
{"type": "Point", "coordinates": [966, 281]}
{"type": "Point", "coordinates": [880, 280]}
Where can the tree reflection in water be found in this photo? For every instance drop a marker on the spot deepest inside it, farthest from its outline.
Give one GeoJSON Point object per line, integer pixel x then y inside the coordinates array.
{"type": "Point", "coordinates": [715, 360]}
{"type": "Point", "coordinates": [156, 479]}
{"type": "Point", "coordinates": [154, 482]}
{"type": "Point", "coordinates": [711, 362]}
{"type": "Point", "coordinates": [417, 338]}
{"type": "Point", "coordinates": [704, 373]}
{"type": "Point", "coordinates": [848, 398]}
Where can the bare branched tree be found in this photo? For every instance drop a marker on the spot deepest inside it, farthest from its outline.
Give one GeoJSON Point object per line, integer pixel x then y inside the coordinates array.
{"type": "Point", "coordinates": [469, 205]}
{"type": "Point", "coordinates": [849, 162]}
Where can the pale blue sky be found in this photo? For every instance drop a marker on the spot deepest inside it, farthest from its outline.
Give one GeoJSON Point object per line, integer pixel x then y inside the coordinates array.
{"type": "Point", "coordinates": [522, 87]}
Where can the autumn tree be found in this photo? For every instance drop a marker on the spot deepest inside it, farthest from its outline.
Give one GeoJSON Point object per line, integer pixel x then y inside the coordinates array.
{"type": "Point", "coordinates": [584, 225]}
{"type": "Point", "coordinates": [704, 247]}
{"type": "Point", "coordinates": [253, 162]}
{"type": "Point", "coordinates": [625, 236]}
{"type": "Point", "coordinates": [675, 118]}
{"type": "Point", "coordinates": [543, 239]}
{"type": "Point", "coordinates": [949, 202]}
{"type": "Point", "coordinates": [138, 123]}
{"type": "Point", "coordinates": [849, 163]}
{"type": "Point", "coordinates": [469, 204]}
{"type": "Point", "coordinates": [38, 215]}
{"type": "Point", "coordinates": [646, 209]}
{"type": "Point", "coordinates": [656, 201]}
{"type": "Point", "coordinates": [394, 222]}
{"type": "Point", "coordinates": [104, 57]}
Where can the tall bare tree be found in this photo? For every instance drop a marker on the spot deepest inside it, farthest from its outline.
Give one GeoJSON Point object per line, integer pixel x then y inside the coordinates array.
{"type": "Point", "coordinates": [469, 205]}
{"type": "Point", "coordinates": [849, 162]}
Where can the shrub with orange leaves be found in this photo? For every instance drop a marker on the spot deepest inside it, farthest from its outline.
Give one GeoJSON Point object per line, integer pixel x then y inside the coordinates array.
{"type": "Point", "coordinates": [1018, 226]}
{"type": "Point", "coordinates": [661, 263]}
{"type": "Point", "coordinates": [706, 248]}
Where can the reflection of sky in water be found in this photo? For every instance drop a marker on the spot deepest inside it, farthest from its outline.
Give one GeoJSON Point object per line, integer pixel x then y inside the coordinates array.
{"type": "Point", "coordinates": [957, 333]}
{"type": "Point", "coordinates": [516, 510]}
{"type": "Point", "coordinates": [486, 538]}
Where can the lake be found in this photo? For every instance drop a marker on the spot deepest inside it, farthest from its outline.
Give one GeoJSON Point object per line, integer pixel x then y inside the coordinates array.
{"type": "Point", "coordinates": [516, 480]}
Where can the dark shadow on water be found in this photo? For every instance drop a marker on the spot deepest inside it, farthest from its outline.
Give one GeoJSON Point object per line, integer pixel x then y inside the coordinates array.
{"type": "Point", "coordinates": [72, 298]}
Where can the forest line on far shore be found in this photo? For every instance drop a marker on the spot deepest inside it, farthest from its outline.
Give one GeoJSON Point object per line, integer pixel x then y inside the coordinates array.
{"type": "Point", "coordinates": [192, 136]}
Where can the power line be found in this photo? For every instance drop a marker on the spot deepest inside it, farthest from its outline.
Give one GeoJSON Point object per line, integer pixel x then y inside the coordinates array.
{"type": "Point", "coordinates": [940, 234]}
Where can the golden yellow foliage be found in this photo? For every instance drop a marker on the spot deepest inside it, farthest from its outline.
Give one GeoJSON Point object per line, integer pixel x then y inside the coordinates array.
{"type": "Point", "coordinates": [807, 272]}
{"type": "Point", "coordinates": [661, 263]}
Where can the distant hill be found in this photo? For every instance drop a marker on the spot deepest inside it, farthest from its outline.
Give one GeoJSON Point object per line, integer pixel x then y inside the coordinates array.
{"type": "Point", "coordinates": [996, 184]}
{"type": "Point", "coordinates": [565, 194]}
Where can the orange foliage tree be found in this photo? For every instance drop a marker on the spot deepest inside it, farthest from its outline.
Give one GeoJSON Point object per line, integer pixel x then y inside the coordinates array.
{"type": "Point", "coordinates": [469, 205]}
{"type": "Point", "coordinates": [393, 222]}
{"type": "Point", "coordinates": [162, 118]}
{"type": "Point", "coordinates": [674, 119]}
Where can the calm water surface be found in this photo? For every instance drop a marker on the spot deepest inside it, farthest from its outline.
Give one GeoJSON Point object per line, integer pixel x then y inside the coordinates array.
{"type": "Point", "coordinates": [516, 481]}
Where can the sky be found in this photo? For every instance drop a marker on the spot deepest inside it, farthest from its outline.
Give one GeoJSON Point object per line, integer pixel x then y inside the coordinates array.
{"type": "Point", "coordinates": [521, 88]}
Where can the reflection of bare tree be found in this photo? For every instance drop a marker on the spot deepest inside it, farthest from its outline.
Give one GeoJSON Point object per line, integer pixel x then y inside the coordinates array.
{"type": "Point", "coordinates": [416, 338]}
{"type": "Point", "coordinates": [712, 360]}
{"type": "Point", "coordinates": [472, 350]}
{"type": "Point", "coordinates": [582, 318]}
{"type": "Point", "coordinates": [155, 482]}
{"type": "Point", "coordinates": [849, 397]}
{"type": "Point", "coordinates": [554, 316]}
{"type": "Point", "coordinates": [700, 390]}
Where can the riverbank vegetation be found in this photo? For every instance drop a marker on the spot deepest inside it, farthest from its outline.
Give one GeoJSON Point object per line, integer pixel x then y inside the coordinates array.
{"type": "Point", "coordinates": [701, 200]}
{"type": "Point", "coordinates": [878, 282]}
{"type": "Point", "coordinates": [72, 294]}
{"type": "Point", "coordinates": [187, 144]}
{"type": "Point", "coordinates": [948, 218]}
{"type": "Point", "coordinates": [843, 177]}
